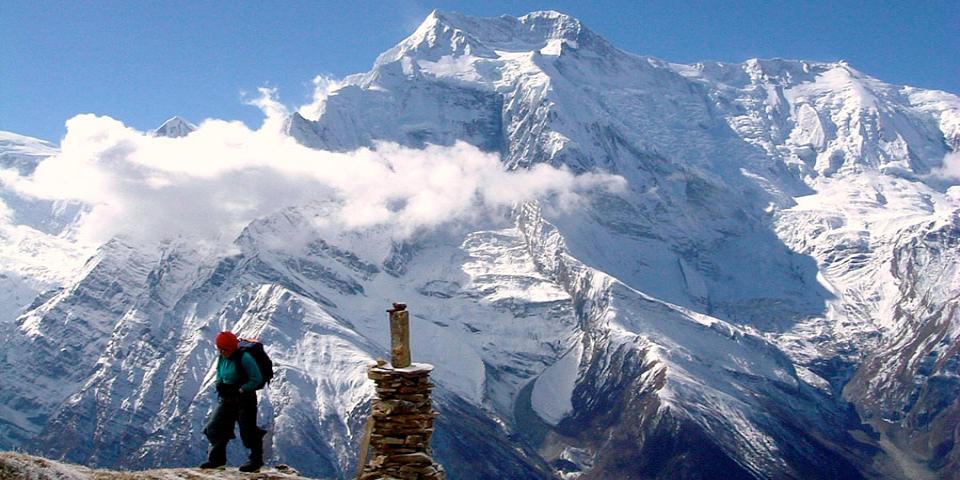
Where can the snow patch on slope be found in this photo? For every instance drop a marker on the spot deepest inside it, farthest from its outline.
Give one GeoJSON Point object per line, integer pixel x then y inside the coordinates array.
{"type": "Point", "coordinates": [553, 390]}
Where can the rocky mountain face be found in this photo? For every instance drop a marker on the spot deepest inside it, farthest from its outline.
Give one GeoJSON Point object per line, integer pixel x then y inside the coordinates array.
{"type": "Point", "coordinates": [775, 294]}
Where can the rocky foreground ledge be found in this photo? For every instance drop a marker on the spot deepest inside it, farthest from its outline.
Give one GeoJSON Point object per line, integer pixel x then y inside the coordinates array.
{"type": "Point", "coordinates": [17, 466]}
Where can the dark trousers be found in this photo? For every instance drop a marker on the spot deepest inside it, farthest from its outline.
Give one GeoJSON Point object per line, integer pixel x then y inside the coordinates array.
{"type": "Point", "coordinates": [240, 409]}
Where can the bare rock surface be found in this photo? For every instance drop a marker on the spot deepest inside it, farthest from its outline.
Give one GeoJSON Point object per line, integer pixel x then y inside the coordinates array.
{"type": "Point", "coordinates": [17, 466]}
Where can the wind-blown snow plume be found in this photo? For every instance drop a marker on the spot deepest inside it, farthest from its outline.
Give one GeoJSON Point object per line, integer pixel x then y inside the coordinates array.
{"type": "Point", "coordinates": [214, 181]}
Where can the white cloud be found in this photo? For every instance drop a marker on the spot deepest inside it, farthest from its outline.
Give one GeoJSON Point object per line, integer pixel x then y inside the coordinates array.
{"type": "Point", "coordinates": [274, 112]}
{"type": "Point", "coordinates": [950, 170]}
{"type": "Point", "coordinates": [216, 180]}
{"type": "Point", "coordinates": [323, 86]}
{"type": "Point", "coordinates": [5, 213]}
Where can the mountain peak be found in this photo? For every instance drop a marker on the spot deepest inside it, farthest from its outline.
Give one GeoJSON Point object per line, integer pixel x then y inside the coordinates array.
{"type": "Point", "coordinates": [548, 24]}
{"type": "Point", "coordinates": [173, 128]}
{"type": "Point", "coordinates": [558, 25]}
{"type": "Point", "coordinates": [454, 34]}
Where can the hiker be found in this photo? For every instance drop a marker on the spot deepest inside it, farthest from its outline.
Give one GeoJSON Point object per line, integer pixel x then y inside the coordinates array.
{"type": "Point", "coordinates": [238, 378]}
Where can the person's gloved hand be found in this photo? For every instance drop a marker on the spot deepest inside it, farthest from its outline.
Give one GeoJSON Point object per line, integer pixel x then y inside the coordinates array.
{"type": "Point", "coordinates": [228, 392]}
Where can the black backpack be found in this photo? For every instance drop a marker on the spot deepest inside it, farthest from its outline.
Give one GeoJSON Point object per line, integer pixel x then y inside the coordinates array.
{"type": "Point", "coordinates": [255, 349]}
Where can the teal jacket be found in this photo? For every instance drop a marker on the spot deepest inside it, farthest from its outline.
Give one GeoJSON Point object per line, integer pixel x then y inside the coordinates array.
{"type": "Point", "coordinates": [227, 372]}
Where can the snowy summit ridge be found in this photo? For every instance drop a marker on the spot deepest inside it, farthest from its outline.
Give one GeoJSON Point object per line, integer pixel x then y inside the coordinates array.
{"type": "Point", "coordinates": [774, 292]}
{"type": "Point", "coordinates": [528, 33]}
{"type": "Point", "coordinates": [455, 35]}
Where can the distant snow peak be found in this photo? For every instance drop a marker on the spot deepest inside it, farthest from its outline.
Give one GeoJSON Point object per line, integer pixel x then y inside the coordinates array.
{"type": "Point", "coordinates": [175, 127]}
{"type": "Point", "coordinates": [14, 141]}
{"type": "Point", "coordinates": [23, 153]}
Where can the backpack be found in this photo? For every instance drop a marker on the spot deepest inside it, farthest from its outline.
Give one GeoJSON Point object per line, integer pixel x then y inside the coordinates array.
{"type": "Point", "coordinates": [255, 349]}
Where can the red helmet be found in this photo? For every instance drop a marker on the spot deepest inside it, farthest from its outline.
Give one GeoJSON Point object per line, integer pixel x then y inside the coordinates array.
{"type": "Point", "coordinates": [227, 342]}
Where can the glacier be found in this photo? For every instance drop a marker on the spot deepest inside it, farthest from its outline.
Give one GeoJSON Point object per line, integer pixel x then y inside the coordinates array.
{"type": "Point", "coordinates": [774, 294]}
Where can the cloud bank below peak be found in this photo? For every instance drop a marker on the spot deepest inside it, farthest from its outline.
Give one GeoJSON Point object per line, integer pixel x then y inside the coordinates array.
{"type": "Point", "coordinates": [216, 180]}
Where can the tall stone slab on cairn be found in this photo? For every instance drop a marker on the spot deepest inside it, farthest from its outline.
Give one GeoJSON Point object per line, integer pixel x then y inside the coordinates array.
{"type": "Point", "coordinates": [401, 421]}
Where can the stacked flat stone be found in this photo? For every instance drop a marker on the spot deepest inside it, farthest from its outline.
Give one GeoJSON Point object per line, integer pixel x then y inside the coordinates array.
{"type": "Point", "coordinates": [402, 424]}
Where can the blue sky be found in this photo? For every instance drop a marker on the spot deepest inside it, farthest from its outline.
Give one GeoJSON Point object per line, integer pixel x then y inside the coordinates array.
{"type": "Point", "coordinates": [142, 62]}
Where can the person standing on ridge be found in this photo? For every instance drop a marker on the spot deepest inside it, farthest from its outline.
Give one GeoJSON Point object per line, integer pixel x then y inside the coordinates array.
{"type": "Point", "coordinates": [238, 378]}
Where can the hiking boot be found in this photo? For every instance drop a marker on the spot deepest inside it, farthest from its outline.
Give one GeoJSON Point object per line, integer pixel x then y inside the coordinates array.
{"type": "Point", "coordinates": [251, 466]}
{"type": "Point", "coordinates": [210, 465]}
{"type": "Point", "coordinates": [256, 455]}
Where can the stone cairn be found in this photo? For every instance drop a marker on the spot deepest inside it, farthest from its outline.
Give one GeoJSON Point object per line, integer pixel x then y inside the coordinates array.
{"type": "Point", "coordinates": [401, 423]}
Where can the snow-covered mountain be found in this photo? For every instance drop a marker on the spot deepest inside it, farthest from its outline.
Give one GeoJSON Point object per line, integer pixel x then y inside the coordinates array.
{"type": "Point", "coordinates": [174, 127]}
{"type": "Point", "coordinates": [776, 293]}
{"type": "Point", "coordinates": [33, 254]}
